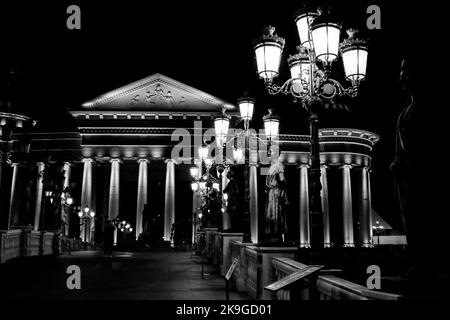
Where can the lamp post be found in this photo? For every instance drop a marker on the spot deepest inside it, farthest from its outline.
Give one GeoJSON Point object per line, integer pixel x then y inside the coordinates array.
{"type": "Point", "coordinates": [310, 85]}
{"type": "Point", "coordinates": [86, 215]}
{"type": "Point", "coordinates": [378, 229]}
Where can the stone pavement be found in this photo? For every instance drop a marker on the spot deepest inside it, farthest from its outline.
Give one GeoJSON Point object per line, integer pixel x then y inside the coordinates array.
{"type": "Point", "coordinates": [155, 275]}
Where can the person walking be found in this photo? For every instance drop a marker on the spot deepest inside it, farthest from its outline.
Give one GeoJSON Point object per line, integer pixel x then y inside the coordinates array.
{"type": "Point", "coordinates": [109, 238]}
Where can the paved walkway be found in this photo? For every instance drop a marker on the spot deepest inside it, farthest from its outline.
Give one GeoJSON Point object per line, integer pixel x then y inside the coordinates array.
{"type": "Point", "coordinates": [128, 275]}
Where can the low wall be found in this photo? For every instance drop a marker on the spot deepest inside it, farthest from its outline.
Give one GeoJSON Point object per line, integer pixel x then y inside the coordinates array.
{"type": "Point", "coordinates": [26, 243]}
{"type": "Point", "coordinates": [9, 244]}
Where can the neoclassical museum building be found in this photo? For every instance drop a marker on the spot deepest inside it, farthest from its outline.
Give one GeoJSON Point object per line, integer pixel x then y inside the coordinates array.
{"type": "Point", "coordinates": [119, 164]}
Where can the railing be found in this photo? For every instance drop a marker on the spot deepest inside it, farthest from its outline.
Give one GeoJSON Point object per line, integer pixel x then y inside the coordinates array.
{"type": "Point", "coordinates": [284, 267]}
{"type": "Point", "coordinates": [333, 288]}
{"type": "Point", "coordinates": [327, 285]}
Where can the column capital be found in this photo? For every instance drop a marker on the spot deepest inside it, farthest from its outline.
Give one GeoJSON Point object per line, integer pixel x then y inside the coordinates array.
{"type": "Point", "coordinates": [118, 160]}
{"type": "Point", "coordinates": [87, 160]}
{"type": "Point", "coordinates": [346, 166]}
{"type": "Point", "coordinates": [303, 165]}
{"type": "Point", "coordinates": [143, 160]}
{"type": "Point", "coordinates": [68, 163]}
{"type": "Point", "coordinates": [324, 166]}
{"type": "Point", "coordinates": [174, 161]}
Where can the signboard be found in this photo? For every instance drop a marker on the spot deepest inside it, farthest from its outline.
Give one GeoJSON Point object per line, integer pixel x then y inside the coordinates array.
{"type": "Point", "coordinates": [231, 270]}
{"type": "Point", "coordinates": [298, 275]}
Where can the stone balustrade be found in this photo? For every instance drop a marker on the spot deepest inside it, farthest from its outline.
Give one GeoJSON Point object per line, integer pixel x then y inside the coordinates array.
{"type": "Point", "coordinates": [27, 243]}
{"type": "Point", "coordinates": [258, 267]}
{"type": "Point", "coordinates": [9, 244]}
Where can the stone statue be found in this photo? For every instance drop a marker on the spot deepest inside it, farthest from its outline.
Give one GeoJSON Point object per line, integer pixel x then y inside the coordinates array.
{"type": "Point", "coordinates": [419, 196]}
{"type": "Point", "coordinates": [276, 201]}
{"type": "Point", "coordinates": [232, 190]}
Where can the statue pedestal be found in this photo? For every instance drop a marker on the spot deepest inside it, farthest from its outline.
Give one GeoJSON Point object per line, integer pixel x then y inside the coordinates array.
{"type": "Point", "coordinates": [260, 271]}
{"type": "Point", "coordinates": [226, 249]}
{"type": "Point", "coordinates": [209, 237]}
{"type": "Point", "coordinates": [237, 251]}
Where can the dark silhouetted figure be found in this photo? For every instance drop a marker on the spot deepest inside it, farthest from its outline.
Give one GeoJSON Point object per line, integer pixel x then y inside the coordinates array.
{"type": "Point", "coordinates": [419, 175]}
{"type": "Point", "coordinates": [109, 238]}
{"type": "Point", "coordinates": [232, 190]}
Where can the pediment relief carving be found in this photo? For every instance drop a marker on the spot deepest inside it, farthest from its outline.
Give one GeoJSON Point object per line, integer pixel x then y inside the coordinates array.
{"type": "Point", "coordinates": [157, 92]}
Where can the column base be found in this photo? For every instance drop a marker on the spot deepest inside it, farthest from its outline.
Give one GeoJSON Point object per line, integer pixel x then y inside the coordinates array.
{"type": "Point", "coordinates": [348, 245]}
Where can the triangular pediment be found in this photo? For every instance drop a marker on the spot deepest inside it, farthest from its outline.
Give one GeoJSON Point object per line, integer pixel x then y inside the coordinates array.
{"type": "Point", "coordinates": [157, 93]}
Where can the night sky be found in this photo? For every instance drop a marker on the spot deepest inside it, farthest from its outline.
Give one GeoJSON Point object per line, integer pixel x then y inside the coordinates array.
{"type": "Point", "coordinates": [207, 45]}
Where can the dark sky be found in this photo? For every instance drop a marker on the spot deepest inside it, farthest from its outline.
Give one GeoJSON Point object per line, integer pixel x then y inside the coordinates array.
{"type": "Point", "coordinates": [207, 45]}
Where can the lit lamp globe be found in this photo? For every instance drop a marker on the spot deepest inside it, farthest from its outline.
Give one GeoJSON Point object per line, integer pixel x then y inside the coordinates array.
{"type": "Point", "coordinates": [303, 21]}
{"type": "Point", "coordinates": [221, 125]}
{"type": "Point", "coordinates": [325, 37]}
{"type": "Point", "coordinates": [300, 69]}
{"type": "Point", "coordinates": [271, 125]}
{"type": "Point", "coordinates": [194, 172]}
{"type": "Point", "coordinates": [92, 214]}
{"type": "Point", "coordinates": [354, 53]}
{"type": "Point", "coordinates": [69, 201]}
{"type": "Point", "coordinates": [80, 214]}
{"type": "Point", "coordinates": [238, 155]}
{"type": "Point", "coordinates": [268, 49]}
{"type": "Point", "coordinates": [194, 186]}
{"type": "Point", "coordinates": [216, 186]}
{"type": "Point", "coordinates": [246, 106]}
{"type": "Point", "coordinates": [202, 185]}
{"type": "Point", "coordinates": [203, 152]}
{"type": "Point", "coordinates": [86, 209]}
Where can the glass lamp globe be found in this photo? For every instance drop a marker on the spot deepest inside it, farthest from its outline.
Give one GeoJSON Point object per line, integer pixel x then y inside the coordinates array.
{"type": "Point", "coordinates": [268, 49]}
{"type": "Point", "coordinates": [271, 125]}
{"type": "Point", "coordinates": [246, 106]}
{"type": "Point", "coordinates": [221, 125]}
{"type": "Point", "coordinates": [303, 22]}
{"type": "Point", "coordinates": [354, 53]}
{"type": "Point", "coordinates": [194, 172]}
{"type": "Point", "coordinates": [325, 36]}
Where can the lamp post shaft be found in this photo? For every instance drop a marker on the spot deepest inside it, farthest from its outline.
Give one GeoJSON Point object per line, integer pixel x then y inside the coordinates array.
{"type": "Point", "coordinates": [316, 214]}
{"type": "Point", "coordinates": [247, 220]}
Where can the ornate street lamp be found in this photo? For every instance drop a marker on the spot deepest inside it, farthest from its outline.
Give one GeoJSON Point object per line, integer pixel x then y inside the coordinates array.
{"type": "Point", "coordinates": [221, 125]}
{"type": "Point", "coordinates": [268, 51]}
{"type": "Point", "coordinates": [354, 56]}
{"type": "Point", "coordinates": [246, 106]}
{"type": "Point", "coordinates": [86, 215]}
{"type": "Point", "coordinates": [271, 125]}
{"type": "Point", "coordinates": [194, 186]}
{"type": "Point", "coordinates": [310, 86]}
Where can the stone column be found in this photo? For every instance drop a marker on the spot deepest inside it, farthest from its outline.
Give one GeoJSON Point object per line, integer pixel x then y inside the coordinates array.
{"type": "Point", "coordinates": [304, 207]}
{"type": "Point", "coordinates": [169, 200]}
{"type": "Point", "coordinates": [325, 206]}
{"type": "Point", "coordinates": [13, 214]}
{"type": "Point", "coordinates": [114, 192]}
{"type": "Point", "coordinates": [365, 212]}
{"type": "Point", "coordinates": [86, 194]}
{"type": "Point", "coordinates": [347, 207]}
{"type": "Point", "coordinates": [64, 210]}
{"type": "Point", "coordinates": [39, 190]}
{"type": "Point", "coordinates": [141, 194]}
{"type": "Point", "coordinates": [253, 205]}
